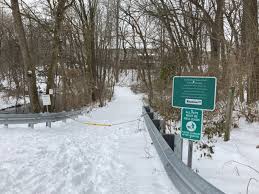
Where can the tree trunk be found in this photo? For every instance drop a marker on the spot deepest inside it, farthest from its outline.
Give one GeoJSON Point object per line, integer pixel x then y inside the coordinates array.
{"type": "Point", "coordinates": [56, 48]}
{"type": "Point", "coordinates": [217, 40]}
{"type": "Point", "coordinates": [229, 111]}
{"type": "Point", "coordinates": [28, 65]}
{"type": "Point", "coordinates": [92, 59]}
{"type": "Point", "coordinates": [249, 32]}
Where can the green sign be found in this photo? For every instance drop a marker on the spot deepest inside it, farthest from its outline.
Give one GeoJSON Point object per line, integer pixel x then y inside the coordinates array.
{"type": "Point", "coordinates": [192, 120]}
{"type": "Point", "coordinates": [194, 92]}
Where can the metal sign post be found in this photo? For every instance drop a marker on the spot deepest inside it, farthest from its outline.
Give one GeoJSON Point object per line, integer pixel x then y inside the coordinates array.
{"type": "Point", "coordinates": [190, 150]}
{"type": "Point", "coordinates": [192, 121]}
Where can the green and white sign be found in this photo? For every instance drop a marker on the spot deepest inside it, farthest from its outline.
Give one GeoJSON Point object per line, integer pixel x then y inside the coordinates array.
{"type": "Point", "coordinates": [194, 92]}
{"type": "Point", "coordinates": [192, 121]}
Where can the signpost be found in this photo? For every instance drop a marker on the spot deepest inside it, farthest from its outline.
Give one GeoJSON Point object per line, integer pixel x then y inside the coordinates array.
{"type": "Point", "coordinates": [193, 94]}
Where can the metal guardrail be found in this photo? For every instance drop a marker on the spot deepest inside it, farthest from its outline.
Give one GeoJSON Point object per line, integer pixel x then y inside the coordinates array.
{"type": "Point", "coordinates": [184, 179]}
{"type": "Point", "coordinates": [35, 118]}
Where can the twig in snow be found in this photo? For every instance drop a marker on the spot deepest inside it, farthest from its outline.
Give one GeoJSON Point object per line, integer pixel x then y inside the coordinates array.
{"type": "Point", "coordinates": [233, 161]}
{"type": "Point", "coordinates": [146, 147]}
{"type": "Point", "coordinates": [247, 187]}
{"type": "Point", "coordinates": [237, 171]}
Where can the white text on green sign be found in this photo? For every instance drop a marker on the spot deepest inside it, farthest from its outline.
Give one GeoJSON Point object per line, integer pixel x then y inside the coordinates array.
{"type": "Point", "coordinates": [192, 121]}
{"type": "Point", "coordinates": [194, 92]}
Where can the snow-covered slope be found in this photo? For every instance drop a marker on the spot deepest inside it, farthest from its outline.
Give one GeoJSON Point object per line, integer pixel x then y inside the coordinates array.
{"type": "Point", "coordinates": [234, 166]}
{"type": "Point", "coordinates": [74, 157]}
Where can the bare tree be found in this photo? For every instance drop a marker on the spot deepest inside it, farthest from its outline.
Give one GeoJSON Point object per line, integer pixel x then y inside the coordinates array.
{"type": "Point", "coordinates": [59, 14]}
{"type": "Point", "coordinates": [28, 65]}
{"type": "Point", "coordinates": [250, 47]}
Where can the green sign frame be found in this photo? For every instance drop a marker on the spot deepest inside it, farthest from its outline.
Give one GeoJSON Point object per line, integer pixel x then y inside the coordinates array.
{"type": "Point", "coordinates": [196, 92]}
{"type": "Point", "coordinates": [191, 124]}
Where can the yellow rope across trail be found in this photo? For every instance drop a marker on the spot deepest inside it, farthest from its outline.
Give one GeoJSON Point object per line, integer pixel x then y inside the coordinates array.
{"type": "Point", "coordinates": [109, 125]}
{"type": "Point", "coordinates": [98, 124]}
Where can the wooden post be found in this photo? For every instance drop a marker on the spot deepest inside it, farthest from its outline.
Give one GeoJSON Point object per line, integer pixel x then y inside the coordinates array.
{"type": "Point", "coordinates": [181, 149]}
{"type": "Point", "coordinates": [48, 123]}
{"type": "Point", "coordinates": [190, 149]}
{"type": "Point", "coordinates": [229, 111]}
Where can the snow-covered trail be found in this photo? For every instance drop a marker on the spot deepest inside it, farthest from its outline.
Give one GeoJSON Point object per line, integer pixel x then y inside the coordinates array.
{"type": "Point", "coordinates": [76, 158]}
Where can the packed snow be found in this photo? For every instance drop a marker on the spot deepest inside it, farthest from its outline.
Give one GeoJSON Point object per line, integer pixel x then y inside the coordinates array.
{"type": "Point", "coordinates": [73, 157]}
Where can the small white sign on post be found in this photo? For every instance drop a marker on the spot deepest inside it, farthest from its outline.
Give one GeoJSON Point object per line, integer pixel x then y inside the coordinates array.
{"type": "Point", "coordinates": [46, 100]}
{"type": "Point", "coordinates": [51, 92]}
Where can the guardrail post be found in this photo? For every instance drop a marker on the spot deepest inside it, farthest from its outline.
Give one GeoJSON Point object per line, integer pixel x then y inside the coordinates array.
{"type": "Point", "coordinates": [157, 124]}
{"type": "Point", "coordinates": [6, 125]}
{"type": "Point", "coordinates": [31, 125]}
{"type": "Point", "coordinates": [147, 108]}
{"type": "Point", "coordinates": [151, 115]}
{"type": "Point", "coordinates": [48, 124]}
{"type": "Point", "coordinates": [169, 138]}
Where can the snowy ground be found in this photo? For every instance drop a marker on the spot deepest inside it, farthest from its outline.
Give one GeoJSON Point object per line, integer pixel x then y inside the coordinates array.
{"type": "Point", "coordinates": [235, 163]}
{"type": "Point", "coordinates": [76, 158]}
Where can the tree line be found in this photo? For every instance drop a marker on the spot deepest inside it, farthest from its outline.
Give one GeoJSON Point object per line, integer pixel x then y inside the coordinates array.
{"type": "Point", "coordinates": [83, 44]}
{"type": "Point", "coordinates": [217, 38]}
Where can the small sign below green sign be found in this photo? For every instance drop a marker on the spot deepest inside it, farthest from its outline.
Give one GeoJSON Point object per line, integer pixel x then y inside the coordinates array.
{"type": "Point", "coordinates": [192, 121]}
{"type": "Point", "coordinates": [194, 92]}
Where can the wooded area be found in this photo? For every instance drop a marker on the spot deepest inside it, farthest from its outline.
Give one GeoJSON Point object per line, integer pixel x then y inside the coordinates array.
{"type": "Point", "coordinates": [78, 48]}
{"type": "Point", "coordinates": [66, 45]}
